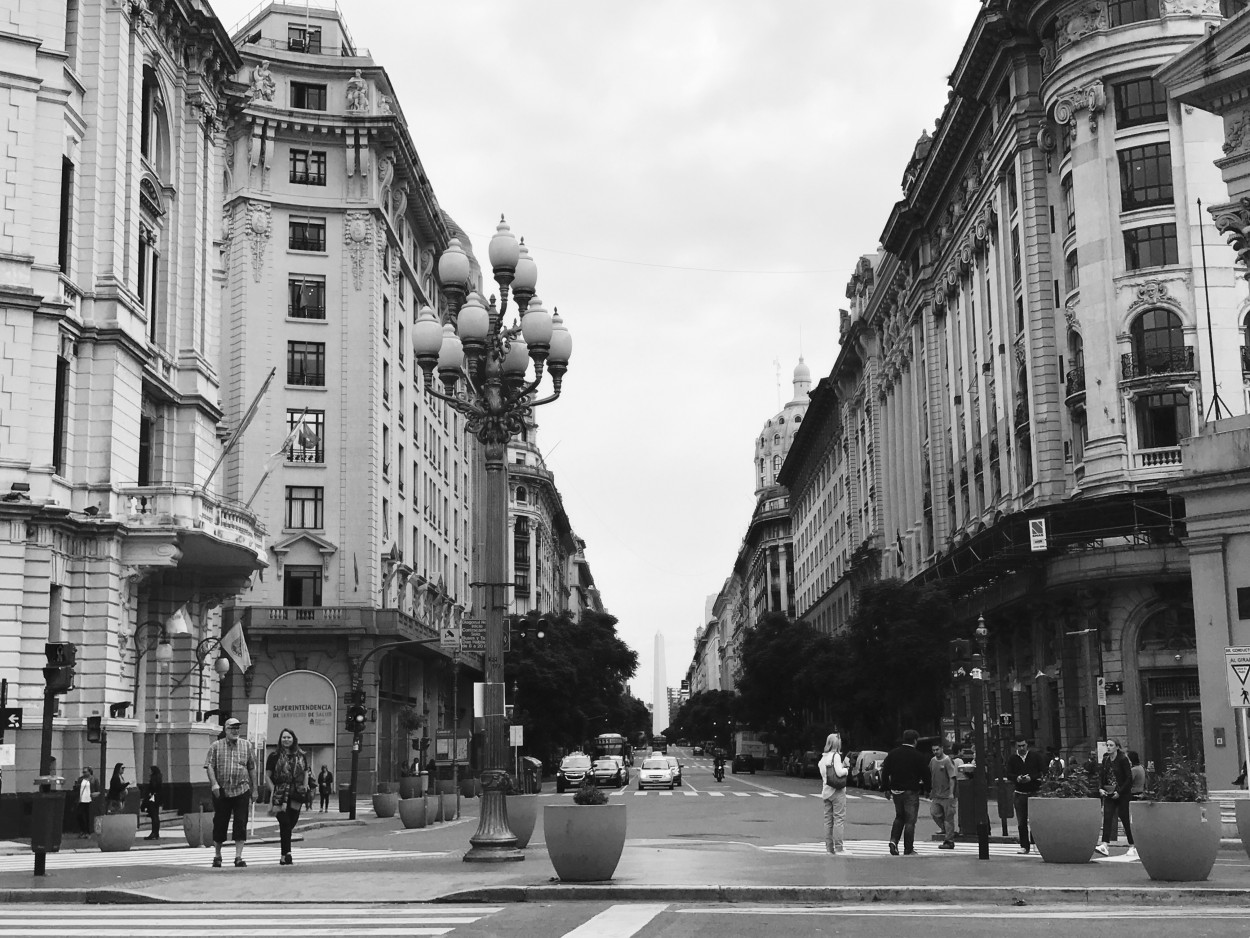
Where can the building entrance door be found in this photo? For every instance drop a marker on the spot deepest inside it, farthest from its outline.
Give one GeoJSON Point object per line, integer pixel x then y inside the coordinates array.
{"type": "Point", "coordinates": [1173, 717]}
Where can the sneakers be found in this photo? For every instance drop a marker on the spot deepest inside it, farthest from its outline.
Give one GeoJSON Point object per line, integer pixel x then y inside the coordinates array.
{"type": "Point", "coordinates": [909, 853]}
{"type": "Point", "coordinates": [216, 863]}
{"type": "Point", "coordinates": [893, 849]}
{"type": "Point", "coordinates": [1132, 853]}
{"type": "Point", "coordinates": [1103, 850]}
{"type": "Point", "coordinates": [947, 845]}
{"type": "Point", "coordinates": [239, 861]}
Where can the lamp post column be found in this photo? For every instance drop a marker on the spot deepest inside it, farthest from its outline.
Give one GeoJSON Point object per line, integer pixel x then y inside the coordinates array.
{"type": "Point", "coordinates": [494, 840]}
{"type": "Point", "coordinates": [980, 777]}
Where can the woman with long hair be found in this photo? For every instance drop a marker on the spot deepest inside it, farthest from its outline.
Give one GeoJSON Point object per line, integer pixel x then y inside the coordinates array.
{"type": "Point", "coordinates": [832, 765]}
{"type": "Point", "coordinates": [152, 802]}
{"type": "Point", "coordinates": [117, 789]}
{"type": "Point", "coordinates": [287, 768]}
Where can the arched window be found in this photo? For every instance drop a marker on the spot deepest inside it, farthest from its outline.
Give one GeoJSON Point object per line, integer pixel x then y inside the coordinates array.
{"type": "Point", "coordinates": [1245, 344]}
{"type": "Point", "coordinates": [522, 496]}
{"type": "Point", "coordinates": [154, 125]}
{"type": "Point", "coordinates": [776, 439]}
{"type": "Point", "coordinates": [1159, 343]}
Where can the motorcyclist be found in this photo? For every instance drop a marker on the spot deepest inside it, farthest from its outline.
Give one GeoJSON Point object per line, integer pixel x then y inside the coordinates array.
{"type": "Point", "coordinates": [718, 766]}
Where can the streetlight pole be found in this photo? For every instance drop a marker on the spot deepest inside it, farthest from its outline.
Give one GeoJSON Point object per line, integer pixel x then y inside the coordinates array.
{"type": "Point", "coordinates": [164, 651]}
{"type": "Point", "coordinates": [483, 367]}
{"type": "Point", "coordinates": [980, 782]}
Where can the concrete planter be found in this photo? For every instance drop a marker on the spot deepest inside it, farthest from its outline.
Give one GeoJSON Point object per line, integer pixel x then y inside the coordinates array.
{"type": "Point", "coordinates": [584, 842]}
{"type": "Point", "coordinates": [1176, 841]}
{"type": "Point", "coordinates": [470, 787]}
{"type": "Point", "coordinates": [432, 805]}
{"type": "Point", "coordinates": [1066, 830]}
{"type": "Point", "coordinates": [411, 786]}
{"type": "Point", "coordinates": [116, 831]}
{"type": "Point", "coordinates": [447, 806]}
{"type": "Point", "coordinates": [198, 828]}
{"type": "Point", "coordinates": [412, 812]}
{"type": "Point", "coordinates": [522, 816]}
{"type": "Point", "coordinates": [385, 804]}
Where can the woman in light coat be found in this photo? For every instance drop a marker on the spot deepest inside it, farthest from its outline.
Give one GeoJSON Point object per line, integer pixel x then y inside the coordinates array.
{"type": "Point", "coordinates": [834, 797]}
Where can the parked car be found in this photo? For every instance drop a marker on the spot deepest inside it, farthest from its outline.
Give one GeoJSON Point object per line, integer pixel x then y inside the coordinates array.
{"type": "Point", "coordinates": [790, 763]}
{"type": "Point", "coordinates": [676, 767]}
{"type": "Point", "coordinates": [655, 773]}
{"type": "Point", "coordinates": [863, 762]}
{"type": "Point", "coordinates": [609, 772]}
{"type": "Point", "coordinates": [698, 749]}
{"type": "Point", "coordinates": [743, 762]}
{"type": "Point", "coordinates": [809, 765]}
{"type": "Point", "coordinates": [573, 769]}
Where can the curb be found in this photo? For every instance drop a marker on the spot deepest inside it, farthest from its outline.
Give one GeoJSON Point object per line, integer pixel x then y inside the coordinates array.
{"type": "Point", "coordinates": [567, 892]}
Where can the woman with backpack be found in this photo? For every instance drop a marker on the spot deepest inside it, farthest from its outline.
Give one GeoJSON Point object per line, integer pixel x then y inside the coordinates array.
{"type": "Point", "coordinates": [833, 774]}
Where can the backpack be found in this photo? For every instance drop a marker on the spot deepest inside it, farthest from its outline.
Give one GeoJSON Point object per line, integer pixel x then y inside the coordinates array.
{"type": "Point", "coordinates": [832, 778]}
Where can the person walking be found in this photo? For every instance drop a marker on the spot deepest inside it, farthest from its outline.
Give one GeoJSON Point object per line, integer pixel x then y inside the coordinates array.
{"type": "Point", "coordinates": [84, 797]}
{"type": "Point", "coordinates": [325, 785]}
{"type": "Point", "coordinates": [1139, 776]}
{"type": "Point", "coordinates": [287, 769]}
{"type": "Point", "coordinates": [117, 789]}
{"type": "Point", "coordinates": [1026, 770]}
{"type": "Point", "coordinates": [1055, 766]}
{"type": "Point", "coordinates": [231, 767]}
{"type": "Point", "coordinates": [152, 801]}
{"type": "Point", "coordinates": [904, 774]}
{"type": "Point", "coordinates": [833, 775]}
{"type": "Point", "coordinates": [943, 776]}
{"type": "Point", "coordinates": [1115, 784]}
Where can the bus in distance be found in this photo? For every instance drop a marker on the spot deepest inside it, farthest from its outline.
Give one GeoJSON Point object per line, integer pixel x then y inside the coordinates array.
{"type": "Point", "coordinates": [613, 744]}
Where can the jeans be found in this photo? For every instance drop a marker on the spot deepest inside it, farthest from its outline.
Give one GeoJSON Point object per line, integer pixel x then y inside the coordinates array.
{"type": "Point", "coordinates": [1111, 808]}
{"type": "Point", "coordinates": [835, 821]}
{"type": "Point", "coordinates": [325, 800]}
{"type": "Point", "coordinates": [84, 818]}
{"type": "Point", "coordinates": [1022, 818]}
{"type": "Point", "coordinates": [286, 823]}
{"type": "Point", "coordinates": [943, 812]}
{"type": "Point", "coordinates": [906, 807]}
{"type": "Point", "coordinates": [227, 809]}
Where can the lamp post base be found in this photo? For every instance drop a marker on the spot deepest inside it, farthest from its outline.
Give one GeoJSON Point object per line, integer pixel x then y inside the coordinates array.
{"type": "Point", "coordinates": [493, 842]}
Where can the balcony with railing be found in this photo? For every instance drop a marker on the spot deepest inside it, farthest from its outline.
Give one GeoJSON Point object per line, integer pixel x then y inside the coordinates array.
{"type": "Point", "coordinates": [1158, 457]}
{"type": "Point", "coordinates": [206, 532]}
{"type": "Point", "coordinates": [1022, 414]}
{"type": "Point", "coordinates": [1075, 386]}
{"type": "Point", "coordinates": [1177, 360]}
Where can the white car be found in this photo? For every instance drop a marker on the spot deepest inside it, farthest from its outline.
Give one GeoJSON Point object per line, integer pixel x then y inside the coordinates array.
{"type": "Point", "coordinates": [655, 773]}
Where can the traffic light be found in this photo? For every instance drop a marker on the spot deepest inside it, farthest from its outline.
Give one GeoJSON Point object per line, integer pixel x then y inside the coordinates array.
{"type": "Point", "coordinates": [961, 657]}
{"type": "Point", "coordinates": [95, 731]}
{"type": "Point", "coordinates": [358, 696]}
{"type": "Point", "coordinates": [59, 674]}
{"type": "Point", "coordinates": [356, 718]}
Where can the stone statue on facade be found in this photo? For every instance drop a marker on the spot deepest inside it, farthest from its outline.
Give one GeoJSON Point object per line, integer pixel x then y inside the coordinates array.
{"type": "Point", "coordinates": [263, 85]}
{"type": "Point", "coordinates": [357, 93]}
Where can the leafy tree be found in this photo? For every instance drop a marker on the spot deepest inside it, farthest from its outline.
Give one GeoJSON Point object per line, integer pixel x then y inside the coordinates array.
{"type": "Point", "coordinates": [570, 684]}
{"type": "Point", "coordinates": [787, 668]}
{"type": "Point", "coordinates": [706, 715]}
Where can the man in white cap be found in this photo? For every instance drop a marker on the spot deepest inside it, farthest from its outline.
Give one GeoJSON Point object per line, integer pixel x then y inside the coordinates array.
{"type": "Point", "coordinates": [231, 767]}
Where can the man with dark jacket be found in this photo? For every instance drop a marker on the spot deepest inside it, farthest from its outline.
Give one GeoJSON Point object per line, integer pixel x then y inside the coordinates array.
{"type": "Point", "coordinates": [1026, 770]}
{"type": "Point", "coordinates": [1115, 784]}
{"type": "Point", "coordinates": [905, 774]}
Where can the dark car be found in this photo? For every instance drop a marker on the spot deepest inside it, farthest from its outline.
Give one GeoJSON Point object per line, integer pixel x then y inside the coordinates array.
{"type": "Point", "coordinates": [809, 765]}
{"type": "Point", "coordinates": [571, 772]}
{"type": "Point", "coordinates": [744, 762]}
{"type": "Point", "coordinates": [698, 749]}
{"type": "Point", "coordinates": [609, 772]}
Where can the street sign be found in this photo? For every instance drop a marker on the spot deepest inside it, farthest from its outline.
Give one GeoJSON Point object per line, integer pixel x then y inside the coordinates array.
{"type": "Point", "coordinates": [449, 637]}
{"type": "Point", "coordinates": [473, 635]}
{"type": "Point", "coordinates": [1237, 660]}
{"type": "Point", "coordinates": [1037, 534]}
{"type": "Point", "coordinates": [10, 718]}
{"type": "Point", "coordinates": [1102, 692]}
{"type": "Point", "coordinates": [516, 735]}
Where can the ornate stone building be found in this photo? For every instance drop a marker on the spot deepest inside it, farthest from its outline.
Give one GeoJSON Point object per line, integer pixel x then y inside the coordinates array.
{"type": "Point", "coordinates": [330, 232]}
{"type": "Point", "coordinates": [1026, 355]}
{"type": "Point", "coordinates": [117, 537]}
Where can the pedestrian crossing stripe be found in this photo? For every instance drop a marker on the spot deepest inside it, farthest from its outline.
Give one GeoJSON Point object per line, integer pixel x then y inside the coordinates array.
{"type": "Point", "coordinates": [141, 921]}
{"type": "Point", "coordinates": [21, 862]}
{"type": "Point", "coordinates": [881, 848]}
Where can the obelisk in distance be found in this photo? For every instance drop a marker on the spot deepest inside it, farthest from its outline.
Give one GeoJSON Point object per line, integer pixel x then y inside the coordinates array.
{"type": "Point", "coordinates": [659, 690]}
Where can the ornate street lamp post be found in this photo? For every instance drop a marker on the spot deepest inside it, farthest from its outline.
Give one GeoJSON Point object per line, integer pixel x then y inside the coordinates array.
{"type": "Point", "coordinates": [980, 777]}
{"type": "Point", "coordinates": [483, 367]}
{"type": "Point", "coordinates": [150, 636]}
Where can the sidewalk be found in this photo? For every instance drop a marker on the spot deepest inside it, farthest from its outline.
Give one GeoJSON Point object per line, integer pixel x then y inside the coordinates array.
{"type": "Point", "coordinates": [427, 866]}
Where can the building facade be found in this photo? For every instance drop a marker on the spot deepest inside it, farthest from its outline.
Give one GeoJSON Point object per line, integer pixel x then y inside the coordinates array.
{"type": "Point", "coordinates": [330, 233]}
{"type": "Point", "coordinates": [545, 551]}
{"type": "Point", "coordinates": [117, 536]}
{"type": "Point", "coordinates": [1026, 355]}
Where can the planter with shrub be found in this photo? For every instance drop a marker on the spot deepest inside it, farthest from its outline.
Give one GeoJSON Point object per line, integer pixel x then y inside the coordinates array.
{"type": "Point", "coordinates": [385, 801]}
{"type": "Point", "coordinates": [585, 839]}
{"type": "Point", "coordinates": [1064, 820]}
{"type": "Point", "coordinates": [1175, 829]}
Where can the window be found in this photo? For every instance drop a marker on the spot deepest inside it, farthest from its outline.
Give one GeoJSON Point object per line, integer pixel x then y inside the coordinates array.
{"type": "Point", "coordinates": [307, 297]}
{"type": "Point", "coordinates": [308, 167]}
{"type": "Point", "coordinates": [1124, 12]}
{"type": "Point", "coordinates": [1071, 272]}
{"type": "Point", "coordinates": [1013, 200]}
{"type": "Point", "coordinates": [306, 363]}
{"type": "Point", "coordinates": [305, 505]}
{"type": "Point", "coordinates": [1150, 246]}
{"type": "Point", "coordinates": [1145, 176]}
{"type": "Point", "coordinates": [59, 416]}
{"type": "Point", "coordinates": [309, 97]}
{"type": "Point", "coordinates": [301, 586]}
{"type": "Point", "coordinates": [303, 38]}
{"type": "Point", "coordinates": [307, 234]}
{"type": "Point", "coordinates": [1015, 256]}
{"type": "Point", "coordinates": [1141, 101]}
{"type": "Point", "coordinates": [308, 446]}
{"type": "Point", "coordinates": [1159, 342]}
{"type": "Point", "coordinates": [1069, 206]}
{"type": "Point", "coordinates": [1162, 419]}
{"type": "Point", "coordinates": [1065, 139]}
{"type": "Point", "coordinates": [66, 215]}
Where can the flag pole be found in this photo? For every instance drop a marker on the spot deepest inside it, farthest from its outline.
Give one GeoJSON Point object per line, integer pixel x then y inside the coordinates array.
{"type": "Point", "coordinates": [299, 424]}
{"type": "Point", "coordinates": [234, 437]}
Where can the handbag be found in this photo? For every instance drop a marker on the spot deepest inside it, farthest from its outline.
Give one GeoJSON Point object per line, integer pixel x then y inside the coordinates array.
{"type": "Point", "coordinates": [832, 778]}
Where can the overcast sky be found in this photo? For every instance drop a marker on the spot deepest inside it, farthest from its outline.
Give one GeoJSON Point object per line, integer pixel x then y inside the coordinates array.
{"type": "Point", "coordinates": [696, 180]}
